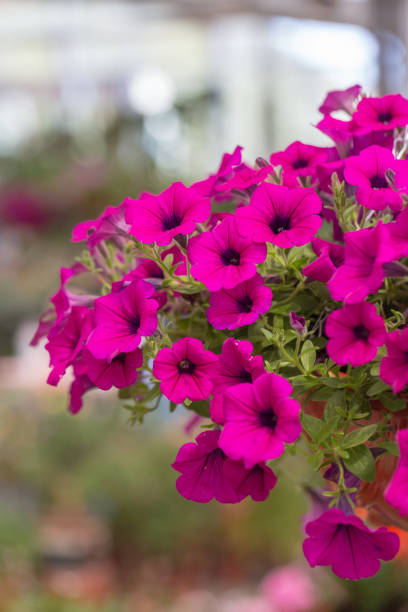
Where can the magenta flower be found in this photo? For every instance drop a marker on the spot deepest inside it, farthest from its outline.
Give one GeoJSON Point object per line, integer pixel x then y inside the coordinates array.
{"type": "Point", "coordinates": [350, 138]}
{"type": "Point", "coordinates": [355, 331]}
{"type": "Point", "coordinates": [207, 473]}
{"type": "Point", "coordinates": [365, 253]}
{"type": "Point", "coordinates": [79, 386]}
{"type": "Point", "coordinates": [298, 159]}
{"type": "Point", "coordinates": [68, 343]}
{"type": "Point", "coordinates": [368, 172]}
{"type": "Point", "coordinates": [396, 494]}
{"type": "Point", "coordinates": [158, 218]}
{"type": "Point", "coordinates": [215, 183]}
{"type": "Point", "coordinates": [343, 99]}
{"type": "Point", "coordinates": [384, 113]}
{"type": "Point", "coordinates": [259, 419]}
{"type": "Point", "coordinates": [344, 542]}
{"type": "Point", "coordinates": [105, 226]}
{"type": "Point", "coordinates": [242, 305]}
{"type": "Point", "coordinates": [221, 259]}
{"type": "Point", "coordinates": [121, 319]}
{"type": "Point", "coordinates": [330, 257]}
{"type": "Point", "coordinates": [394, 367]}
{"type": "Point", "coordinates": [399, 234]}
{"type": "Point", "coordinates": [236, 365]}
{"type": "Point", "coordinates": [120, 372]}
{"type": "Point", "coordinates": [186, 370]}
{"type": "Point", "coordinates": [282, 216]}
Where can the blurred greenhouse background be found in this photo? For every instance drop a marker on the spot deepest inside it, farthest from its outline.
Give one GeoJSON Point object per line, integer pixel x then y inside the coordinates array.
{"type": "Point", "coordinates": [102, 99]}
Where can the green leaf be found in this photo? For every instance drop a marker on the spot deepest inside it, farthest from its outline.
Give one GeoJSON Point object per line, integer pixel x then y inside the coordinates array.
{"type": "Point", "coordinates": [358, 436]}
{"type": "Point", "coordinates": [361, 463]}
{"type": "Point", "coordinates": [308, 355]}
{"type": "Point", "coordinates": [377, 388]}
{"type": "Point", "coordinates": [391, 447]}
{"type": "Point", "coordinates": [392, 402]}
{"type": "Point", "coordinates": [311, 425]}
{"type": "Point", "coordinates": [315, 460]}
{"type": "Point", "coordinates": [201, 407]}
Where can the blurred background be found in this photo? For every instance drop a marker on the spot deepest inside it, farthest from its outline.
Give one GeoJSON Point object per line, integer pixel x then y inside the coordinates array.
{"type": "Point", "coordinates": [100, 100]}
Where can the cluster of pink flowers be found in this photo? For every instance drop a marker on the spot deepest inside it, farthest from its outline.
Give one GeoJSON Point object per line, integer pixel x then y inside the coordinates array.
{"type": "Point", "coordinates": [244, 291]}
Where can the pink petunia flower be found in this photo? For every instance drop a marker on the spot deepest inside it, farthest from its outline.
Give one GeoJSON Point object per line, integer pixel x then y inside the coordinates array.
{"type": "Point", "coordinates": [221, 258]}
{"type": "Point", "coordinates": [79, 386]}
{"type": "Point", "coordinates": [158, 218]}
{"type": "Point", "coordinates": [236, 365]}
{"type": "Point", "coordinates": [242, 305]}
{"type": "Point", "coordinates": [121, 319]}
{"type": "Point", "coordinates": [298, 159]}
{"type": "Point", "coordinates": [290, 589]}
{"type": "Point", "coordinates": [120, 372]}
{"type": "Point", "coordinates": [368, 172]}
{"type": "Point", "coordinates": [214, 185]}
{"type": "Point", "coordinates": [285, 217]}
{"type": "Point", "coordinates": [207, 473]}
{"type": "Point", "coordinates": [343, 99]}
{"type": "Point", "coordinates": [105, 226]}
{"type": "Point", "coordinates": [351, 138]}
{"type": "Point", "coordinates": [355, 332]}
{"type": "Point", "coordinates": [186, 370]}
{"type": "Point", "coordinates": [394, 367]}
{"type": "Point", "coordinates": [384, 113]}
{"type": "Point", "coordinates": [68, 343]}
{"type": "Point", "coordinates": [330, 257]}
{"type": "Point", "coordinates": [259, 419]}
{"type": "Point", "coordinates": [396, 494]}
{"type": "Point", "coordinates": [351, 549]}
{"type": "Point", "coordinates": [365, 253]}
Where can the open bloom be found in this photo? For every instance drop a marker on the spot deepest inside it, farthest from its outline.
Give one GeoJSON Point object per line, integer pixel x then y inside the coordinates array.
{"type": "Point", "coordinates": [121, 319]}
{"type": "Point", "coordinates": [282, 216]}
{"type": "Point", "coordinates": [330, 257]}
{"type": "Point", "coordinates": [120, 372]}
{"type": "Point", "coordinates": [355, 331]}
{"type": "Point", "coordinates": [242, 305]}
{"type": "Point", "coordinates": [368, 172]}
{"type": "Point", "coordinates": [207, 473]}
{"type": "Point", "coordinates": [343, 99]}
{"type": "Point", "coordinates": [365, 253]}
{"type": "Point", "coordinates": [221, 258]}
{"type": "Point", "coordinates": [344, 542]}
{"type": "Point", "coordinates": [298, 159]}
{"type": "Point", "coordinates": [394, 366]}
{"type": "Point", "coordinates": [259, 419]}
{"type": "Point", "coordinates": [105, 226]}
{"type": "Point", "coordinates": [396, 493]}
{"type": "Point", "coordinates": [158, 218]}
{"type": "Point", "coordinates": [186, 370]}
{"type": "Point", "coordinates": [384, 113]}
{"type": "Point", "coordinates": [236, 365]}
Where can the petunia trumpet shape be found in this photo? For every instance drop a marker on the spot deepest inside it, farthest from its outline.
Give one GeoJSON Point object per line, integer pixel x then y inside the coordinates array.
{"type": "Point", "coordinates": [396, 494]}
{"type": "Point", "coordinates": [120, 372]}
{"type": "Point", "coordinates": [394, 366]}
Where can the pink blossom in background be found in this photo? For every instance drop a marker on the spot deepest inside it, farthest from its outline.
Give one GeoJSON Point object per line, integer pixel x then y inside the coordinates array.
{"type": "Point", "coordinates": [242, 305]}
{"type": "Point", "coordinates": [186, 370]}
{"type": "Point", "coordinates": [290, 589]}
{"type": "Point", "coordinates": [158, 218]}
{"type": "Point", "coordinates": [222, 259]}
{"type": "Point", "coordinates": [343, 99]}
{"type": "Point", "coordinates": [122, 319]}
{"type": "Point", "coordinates": [330, 257]}
{"type": "Point", "coordinates": [68, 343]}
{"type": "Point", "coordinates": [385, 113]}
{"type": "Point", "coordinates": [207, 473]}
{"type": "Point", "coordinates": [394, 366]}
{"type": "Point", "coordinates": [368, 171]}
{"type": "Point", "coordinates": [351, 549]}
{"type": "Point", "coordinates": [365, 253]}
{"type": "Point", "coordinates": [120, 372]}
{"type": "Point", "coordinates": [259, 419]}
{"type": "Point", "coordinates": [236, 365]}
{"type": "Point", "coordinates": [355, 332]}
{"type": "Point", "coordinates": [298, 159]}
{"type": "Point", "coordinates": [105, 226]}
{"type": "Point", "coordinates": [396, 494]}
{"type": "Point", "coordinates": [282, 216]}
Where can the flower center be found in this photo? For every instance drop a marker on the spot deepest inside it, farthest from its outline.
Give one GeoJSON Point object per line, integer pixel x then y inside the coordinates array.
{"type": "Point", "coordinates": [171, 221]}
{"type": "Point", "coordinates": [378, 182]}
{"type": "Point", "coordinates": [385, 117]}
{"type": "Point", "coordinates": [245, 376]}
{"type": "Point", "coordinates": [300, 163]}
{"type": "Point", "coordinates": [230, 257]}
{"type": "Point", "coordinates": [268, 418]}
{"type": "Point", "coordinates": [245, 304]}
{"type": "Point", "coordinates": [121, 358]}
{"type": "Point", "coordinates": [185, 366]}
{"type": "Point", "coordinates": [134, 324]}
{"type": "Point", "coordinates": [361, 332]}
{"type": "Point", "coordinates": [279, 224]}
